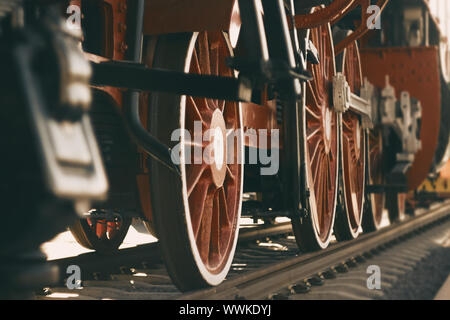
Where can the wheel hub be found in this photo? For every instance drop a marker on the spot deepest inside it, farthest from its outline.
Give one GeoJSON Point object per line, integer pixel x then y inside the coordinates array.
{"type": "Point", "coordinates": [218, 145]}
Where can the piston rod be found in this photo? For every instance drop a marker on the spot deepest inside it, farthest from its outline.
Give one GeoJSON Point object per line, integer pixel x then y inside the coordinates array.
{"type": "Point", "coordinates": [135, 76]}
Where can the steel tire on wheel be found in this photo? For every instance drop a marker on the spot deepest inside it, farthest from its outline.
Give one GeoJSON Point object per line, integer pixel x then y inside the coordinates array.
{"type": "Point", "coordinates": [320, 148]}
{"type": "Point", "coordinates": [196, 217]}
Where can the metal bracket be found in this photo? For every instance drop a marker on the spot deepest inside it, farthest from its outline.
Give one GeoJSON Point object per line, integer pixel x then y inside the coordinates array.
{"type": "Point", "coordinates": [345, 100]}
{"type": "Point", "coordinates": [136, 76]}
{"type": "Point", "coordinates": [370, 94]}
{"type": "Point", "coordinates": [403, 117]}
{"type": "Point", "coordinates": [382, 188]}
{"type": "Point", "coordinates": [312, 54]}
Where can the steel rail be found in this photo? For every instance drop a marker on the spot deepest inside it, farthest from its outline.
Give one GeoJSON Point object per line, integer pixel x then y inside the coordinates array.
{"type": "Point", "coordinates": [258, 284]}
{"type": "Point", "coordinates": [94, 262]}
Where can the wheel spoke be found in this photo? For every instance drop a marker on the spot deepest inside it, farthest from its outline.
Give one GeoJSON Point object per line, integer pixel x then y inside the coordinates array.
{"type": "Point", "coordinates": [203, 54]}
{"type": "Point", "coordinates": [317, 101]}
{"type": "Point", "coordinates": [225, 218]}
{"type": "Point", "coordinates": [312, 113]}
{"type": "Point", "coordinates": [204, 233]}
{"type": "Point", "coordinates": [314, 132]}
{"type": "Point", "coordinates": [195, 66]}
{"type": "Point", "coordinates": [318, 148]}
{"type": "Point", "coordinates": [194, 174]}
{"type": "Point", "coordinates": [230, 173]}
{"type": "Point", "coordinates": [215, 229]}
{"type": "Point", "coordinates": [215, 68]}
{"type": "Point", "coordinates": [193, 112]}
{"type": "Point", "coordinates": [318, 169]}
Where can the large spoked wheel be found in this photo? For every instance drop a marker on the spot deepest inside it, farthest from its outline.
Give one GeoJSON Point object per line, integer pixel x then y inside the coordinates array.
{"type": "Point", "coordinates": [197, 216]}
{"type": "Point", "coordinates": [353, 156]}
{"type": "Point", "coordinates": [321, 152]}
{"type": "Point", "coordinates": [99, 234]}
{"type": "Point", "coordinates": [374, 208]}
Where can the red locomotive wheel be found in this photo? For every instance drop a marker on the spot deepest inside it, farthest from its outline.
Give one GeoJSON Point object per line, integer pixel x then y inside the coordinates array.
{"type": "Point", "coordinates": [321, 156]}
{"type": "Point", "coordinates": [100, 235]}
{"type": "Point", "coordinates": [197, 217]}
{"type": "Point", "coordinates": [373, 213]}
{"type": "Point", "coordinates": [353, 160]}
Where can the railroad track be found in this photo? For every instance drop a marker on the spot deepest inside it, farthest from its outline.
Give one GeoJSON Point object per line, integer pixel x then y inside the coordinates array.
{"type": "Point", "coordinates": [268, 265]}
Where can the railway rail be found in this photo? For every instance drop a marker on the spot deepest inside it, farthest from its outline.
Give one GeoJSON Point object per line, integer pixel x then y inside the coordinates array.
{"type": "Point", "coordinates": [268, 265]}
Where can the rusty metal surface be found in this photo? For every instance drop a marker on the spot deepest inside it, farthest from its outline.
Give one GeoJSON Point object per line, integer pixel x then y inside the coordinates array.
{"type": "Point", "coordinates": [415, 70]}
{"type": "Point", "coordinates": [332, 12]}
{"type": "Point", "coordinates": [114, 37]}
{"type": "Point", "coordinates": [363, 28]}
{"type": "Point", "coordinates": [256, 118]}
{"type": "Point", "coordinates": [336, 11]}
{"type": "Point", "coordinates": [114, 47]}
{"type": "Point", "coordinates": [172, 16]}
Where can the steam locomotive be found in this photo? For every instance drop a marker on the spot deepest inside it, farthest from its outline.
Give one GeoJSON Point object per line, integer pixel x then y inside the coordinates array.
{"type": "Point", "coordinates": [192, 114]}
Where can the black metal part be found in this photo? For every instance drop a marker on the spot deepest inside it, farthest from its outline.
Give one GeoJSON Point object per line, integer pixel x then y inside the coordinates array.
{"type": "Point", "coordinates": [253, 31]}
{"type": "Point", "coordinates": [153, 147]}
{"type": "Point", "coordinates": [280, 44]}
{"type": "Point", "coordinates": [272, 71]}
{"type": "Point", "coordinates": [135, 76]}
{"type": "Point", "coordinates": [24, 273]}
{"type": "Point", "coordinates": [281, 49]}
{"type": "Point", "coordinates": [381, 188]}
{"type": "Point", "coordinates": [68, 175]}
{"type": "Point", "coordinates": [282, 70]}
{"type": "Point", "coordinates": [397, 176]}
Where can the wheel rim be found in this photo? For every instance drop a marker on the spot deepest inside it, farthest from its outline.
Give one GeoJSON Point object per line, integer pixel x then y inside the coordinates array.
{"type": "Point", "coordinates": [213, 188]}
{"type": "Point", "coordinates": [321, 137]}
{"type": "Point", "coordinates": [353, 144]}
{"type": "Point", "coordinates": [377, 200]}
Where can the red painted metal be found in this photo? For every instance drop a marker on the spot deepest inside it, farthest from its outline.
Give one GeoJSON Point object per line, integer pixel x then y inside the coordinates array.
{"type": "Point", "coordinates": [104, 230]}
{"type": "Point", "coordinates": [332, 12]}
{"type": "Point", "coordinates": [322, 134]}
{"type": "Point", "coordinates": [174, 16]}
{"type": "Point", "coordinates": [363, 27]}
{"type": "Point", "coordinates": [415, 70]}
{"type": "Point", "coordinates": [259, 117]}
{"type": "Point", "coordinates": [213, 189]}
{"type": "Point", "coordinates": [336, 11]}
{"type": "Point", "coordinates": [353, 144]}
{"type": "Point", "coordinates": [114, 16]}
